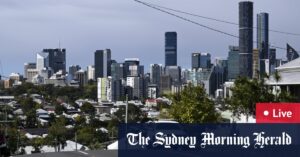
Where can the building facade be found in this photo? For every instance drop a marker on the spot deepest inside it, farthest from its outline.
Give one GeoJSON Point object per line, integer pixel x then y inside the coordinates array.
{"type": "Point", "coordinates": [102, 60]}
{"type": "Point", "coordinates": [170, 49]}
{"type": "Point", "coordinates": [246, 38]}
{"type": "Point", "coordinates": [104, 89]}
{"type": "Point", "coordinates": [233, 62]}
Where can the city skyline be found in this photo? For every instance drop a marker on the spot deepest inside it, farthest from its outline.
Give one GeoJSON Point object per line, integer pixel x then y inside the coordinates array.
{"type": "Point", "coordinates": [143, 43]}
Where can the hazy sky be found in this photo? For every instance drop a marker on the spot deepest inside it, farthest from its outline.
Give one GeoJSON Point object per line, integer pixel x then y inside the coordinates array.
{"type": "Point", "coordinates": [128, 29]}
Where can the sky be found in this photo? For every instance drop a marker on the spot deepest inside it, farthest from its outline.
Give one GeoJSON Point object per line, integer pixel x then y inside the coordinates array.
{"type": "Point", "coordinates": [129, 29]}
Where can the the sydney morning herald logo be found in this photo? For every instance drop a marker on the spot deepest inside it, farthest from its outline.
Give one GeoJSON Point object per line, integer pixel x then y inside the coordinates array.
{"type": "Point", "coordinates": [258, 140]}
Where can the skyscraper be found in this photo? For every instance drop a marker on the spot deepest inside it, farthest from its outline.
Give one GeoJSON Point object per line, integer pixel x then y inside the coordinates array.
{"type": "Point", "coordinates": [117, 75]}
{"type": "Point", "coordinates": [245, 38]}
{"type": "Point", "coordinates": [272, 58]}
{"type": "Point", "coordinates": [201, 60]}
{"type": "Point", "coordinates": [132, 67]}
{"type": "Point", "coordinates": [233, 62]}
{"type": "Point", "coordinates": [205, 60]}
{"type": "Point", "coordinates": [91, 72]}
{"type": "Point", "coordinates": [104, 89]}
{"type": "Point", "coordinates": [155, 73]}
{"type": "Point", "coordinates": [256, 60]}
{"type": "Point", "coordinates": [28, 66]}
{"type": "Point", "coordinates": [72, 70]}
{"type": "Point", "coordinates": [263, 35]}
{"type": "Point", "coordinates": [170, 49]}
{"type": "Point", "coordinates": [221, 71]}
{"type": "Point", "coordinates": [291, 53]}
{"type": "Point", "coordinates": [102, 63]}
{"type": "Point", "coordinates": [42, 61]}
{"type": "Point", "coordinates": [81, 77]}
{"type": "Point", "coordinates": [57, 59]}
{"type": "Point", "coordinates": [175, 73]}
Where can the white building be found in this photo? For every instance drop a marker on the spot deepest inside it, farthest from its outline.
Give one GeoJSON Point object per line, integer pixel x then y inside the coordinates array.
{"type": "Point", "coordinates": [134, 83]}
{"type": "Point", "coordinates": [152, 91]}
{"type": "Point", "coordinates": [42, 61]}
{"type": "Point", "coordinates": [227, 89]}
{"type": "Point", "coordinates": [91, 72]}
{"type": "Point", "coordinates": [289, 81]}
{"type": "Point", "coordinates": [104, 89]}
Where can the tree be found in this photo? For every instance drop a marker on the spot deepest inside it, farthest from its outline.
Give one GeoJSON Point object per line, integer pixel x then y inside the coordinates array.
{"type": "Point", "coordinates": [37, 143]}
{"type": "Point", "coordinates": [80, 121]}
{"type": "Point", "coordinates": [134, 114]}
{"type": "Point", "coordinates": [246, 93]}
{"type": "Point", "coordinates": [57, 133]}
{"type": "Point", "coordinates": [31, 121]}
{"type": "Point", "coordinates": [277, 78]}
{"type": "Point", "coordinates": [88, 108]}
{"type": "Point", "coordinates": [90, 137]}
{"type": "Point", "coordinates": [90, 91]}
{"type": "Point", "coordinates": [192, 105]}
{"type": "Point", "coordinates": [86, 135]}
{"type": "Point", "coordinates": [28, 104]}
{"type": "Point", "coordinates": [59, 109]}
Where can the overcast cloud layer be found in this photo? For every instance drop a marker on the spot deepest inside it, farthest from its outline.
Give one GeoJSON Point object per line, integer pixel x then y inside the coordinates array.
{"type": "Point", "coordinates": [128, 29]}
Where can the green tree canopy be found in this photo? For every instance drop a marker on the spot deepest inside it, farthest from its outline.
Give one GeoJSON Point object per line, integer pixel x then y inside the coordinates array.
{"type": "Point", "coordinates": [88, 108]}
{"type": "Point", "coordinates": [192, 105]}
{"type": "Point", "coordinates": [57, 133]}
{"type": "Point", "coordinates": [134, 114]}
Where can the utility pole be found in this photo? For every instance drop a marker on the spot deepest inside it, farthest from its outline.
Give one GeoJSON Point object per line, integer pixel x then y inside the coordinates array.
{"type": "Point", "coordinates": [126, 110]}
{"type": "Point", "coordinates": [75, 141]}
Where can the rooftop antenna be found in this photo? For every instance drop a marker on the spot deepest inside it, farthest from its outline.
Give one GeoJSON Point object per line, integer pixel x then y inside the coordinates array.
{"type": "Point", "coordinates": [59, 44]}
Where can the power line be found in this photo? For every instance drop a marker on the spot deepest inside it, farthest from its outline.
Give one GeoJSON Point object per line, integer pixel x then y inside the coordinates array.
{"type": "Point", "coordinates": [218, 20]}
{"type": "Point", "coordinates": [197, 23]}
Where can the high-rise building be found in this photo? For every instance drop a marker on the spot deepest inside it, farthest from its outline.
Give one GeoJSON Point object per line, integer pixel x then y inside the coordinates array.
{"type": "Point", "coordinates": [91, 72]}
{"type": "Point", "coordinates": [291, 53]}
{"type": "Point", "coordinates": [165, 84]}
{"type": "Point", "coordinates": [221, 71]}
{"type": "Point", "coordinates": [117, 74]}
{"type": "Point", "coordinates": [117, 71]}
{"type": "Point", "coordinates": [263, 35]}
{"type": "Point", "coordinates": [272, 59]}
{"type": "Point", "coordinates": [152, 91]}
{"type": "Point", "coordinates": [246, 38]}
{"type": "Point", "coordinates": [205, 60]}
{"type": "Point", "coordinates": [28, 66]}
{"type": "Point", "coordinates": [201, 60]}
{"type": "Point", "coordinates": [262, 42]}
{"type": "Point", "coordinates": [156, 71]}
{"type": "Point", "coordinates": [57, 59]}
{"type": "Point", "coordinates": [175, 73]}
{"type": "Point", "coordinates": [42, 61]}
{"type": "Point", "coordinates": [132, 67]}
{"type": "Point", "coordinates": [170, 49]}
{"type": "Point", "coordinates": [72, 70]}
{"type": "Point", "coordinates": [134, 83]}
{"type": "Point", "coordinates": [30, 74]}
{"type": "Point", "coordinates": [233, 62]}
{"type": "Point", "coordinates": [256, 60]}
{"type": "Point", "coordinates": [195, 60]}
{"type": "Point", "coordinates": [104, 92]}
{"type": "Point", "coordinates": [81, 77]}
{"type": "Point", "coordinates": [102, 60]}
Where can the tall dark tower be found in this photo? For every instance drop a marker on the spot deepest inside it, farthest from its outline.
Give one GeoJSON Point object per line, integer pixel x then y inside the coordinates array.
{"type": "Point", "coordinates": [102, 63]}
{"type": "Point", "coordinates": [246, 38]}
{"type": "Point", "coordinates": [263, 35]}
{"type": "Point", "coordinates": [170, 49]}
{"type": "Point", "coordinates": [263, 40]}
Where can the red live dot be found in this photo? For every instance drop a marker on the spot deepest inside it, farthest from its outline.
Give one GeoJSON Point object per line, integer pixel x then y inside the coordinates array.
{"type": "Point", "coordinates": [266, 113]}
